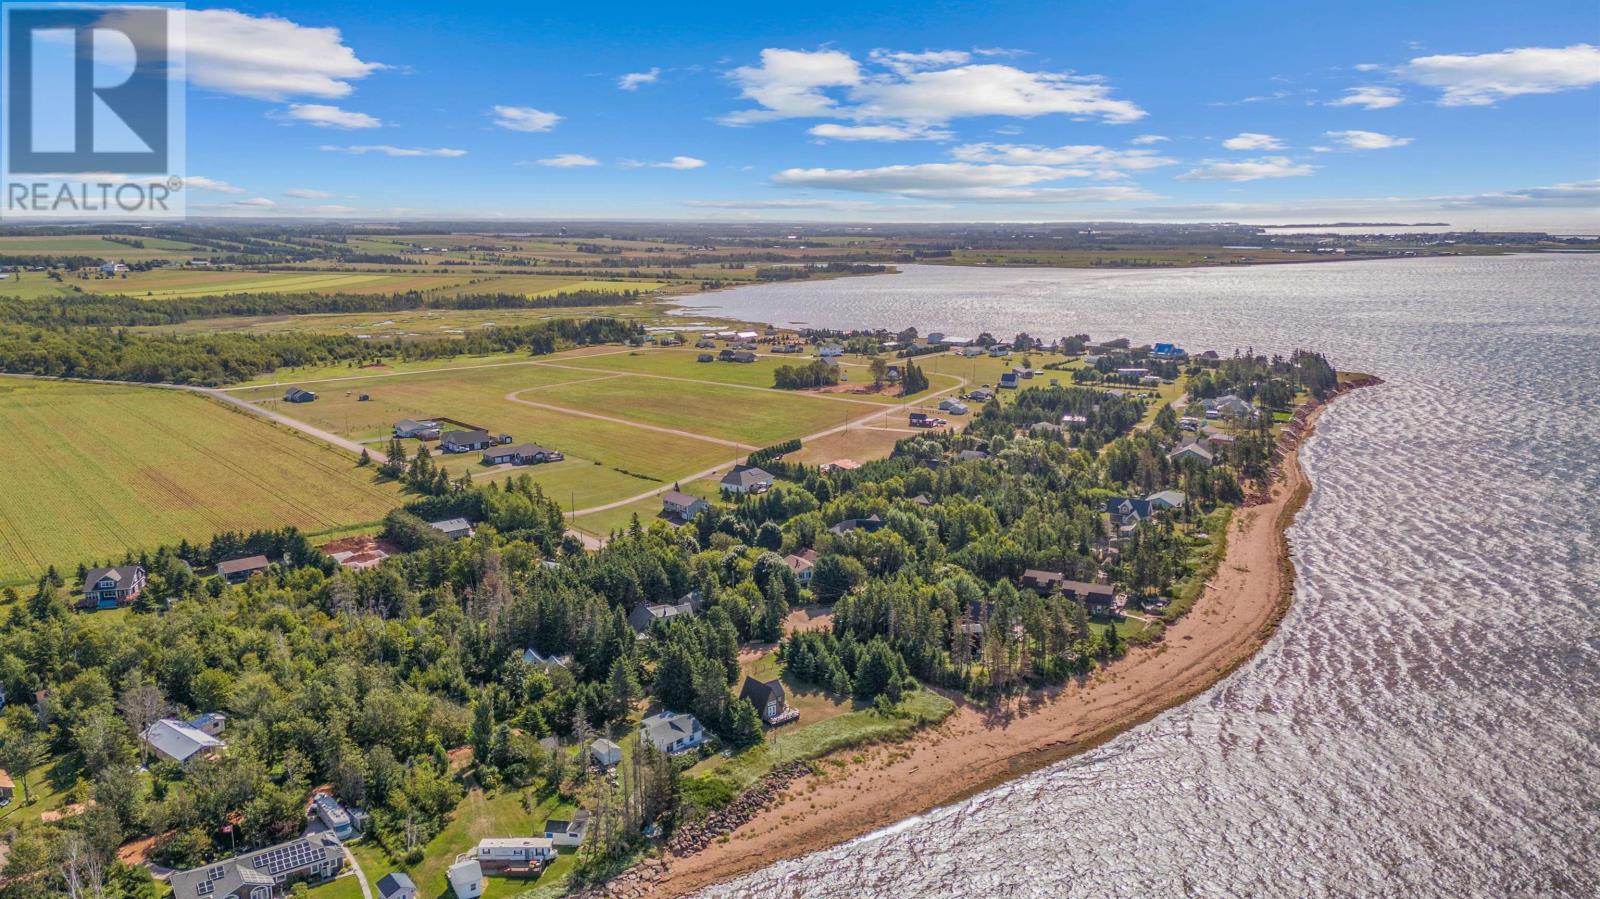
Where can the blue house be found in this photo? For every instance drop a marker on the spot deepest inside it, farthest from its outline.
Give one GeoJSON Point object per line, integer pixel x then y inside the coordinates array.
{"type": "Point", "coordinates": [1168, 351]}
{"type": "Point", "coordinates": [1008, 380]}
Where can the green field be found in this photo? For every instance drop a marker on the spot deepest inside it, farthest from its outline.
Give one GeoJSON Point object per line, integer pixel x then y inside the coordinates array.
{"type": "Point", "coordinates": [91, 471]}
{"type": "Point", "coordinates": [94, 245]}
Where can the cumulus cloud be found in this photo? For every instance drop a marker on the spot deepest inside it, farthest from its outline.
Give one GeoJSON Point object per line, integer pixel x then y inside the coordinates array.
{"type": "Point", "coordinates": [1250, 140]}
{"type": "Point", "coordinates": [325, 116]}
{"type": "Point", "coordinates": [567, 161]}
{"type": "Point", "coordinates": [681, 163]}
{"type": "Point", "coordinates": [1366, 140]}
{"type": "Point", "coordinates": [926, 88]}
{"type": "Point", "coordinates": [524, 118]}
{"type": "Point", "coordinates": [258, 202]}
{"type": "Point", "coordinates": [1089, 158]}
{"type": "Point", "coordinates": [387, 150]}
{"type": "Point", "coordinates": [1144, 140]}
{"type": "Point", "coordinates": [266, 57]}
{"type": "Point", "coordinates": [1482, 79]}
{"type": "Point", "coordinates": [834, 131]}
{"type": "Point", "coordinates": [1580, 194]}
{"type": "Point", "coordinates": [1247, 170]}
{"type": "Point", "coordinates": [1369, 97]}
{"type": "Point", "coordinates": [634, 80]}
{"type": "Point", "coordinates": [306, 193]}
{"type": "Point", "coordinates": [957, 181]}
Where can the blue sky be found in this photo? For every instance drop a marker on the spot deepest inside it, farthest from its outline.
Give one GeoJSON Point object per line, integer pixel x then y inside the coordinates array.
{"type": "Point", "coordinates": [1461, 112]}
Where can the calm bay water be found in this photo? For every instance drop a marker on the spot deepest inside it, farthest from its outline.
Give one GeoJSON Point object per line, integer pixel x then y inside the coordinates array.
{"type": "Point", "coordinates": [1427, 720]}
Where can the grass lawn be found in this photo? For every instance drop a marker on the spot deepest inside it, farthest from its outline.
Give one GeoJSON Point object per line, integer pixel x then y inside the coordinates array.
{"type": "Point", "coordinates": [46, 798]}
{"type": "Point", "coordinates": [346, 887]}
{"type": "Point", "coordinates": [314, 373]}
{"type": "Point", "coordinates": [478, 816]}
{"type": "Point", "coordinates": [807, 741]}
{"type": "Point", "coordinates": [178, 283]}
{"type": "Point", "coordinates": [860, 444]}
{"type": "Point", "coordinates": [754, 417]}
{"type": "Point", "coordinates": [648, 509]}
{"type": "Point", "coordinates": [91, 471]}
{"type": "Point", "coordinates": [94, 245]}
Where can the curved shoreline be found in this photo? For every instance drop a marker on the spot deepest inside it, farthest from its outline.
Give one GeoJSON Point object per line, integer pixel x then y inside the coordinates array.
{"type": "Point", "coordinates": [979, 747]}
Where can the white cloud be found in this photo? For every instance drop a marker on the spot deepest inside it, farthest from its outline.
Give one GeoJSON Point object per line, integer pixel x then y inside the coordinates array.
{"type": "Point", "coordinates": [1367, 67]}
{"type": "Point", "coordinates": [306, 193]}
{"type": "Point", "coordinates": [567, 161]}
{"type": "Point", "coordinates": [926, 88]}
{"type": "Point", "coordinates": [524, 118]}
{"type": "Point", "coordinates": [1247, 170]}
{"type": "Point", "coordinates": [387, 150]}
{"type": "Point", "coordinates": [1482, 79]}
{"type": "Point", "coordinates": [1250, 140]}
{"type": "Point", "coordinates": [1090, 155]}
{"type": "Point", "coordinates": [324, 116]}
{"type": "Point", "coordinates": [957, 181]}
{"type": "Point", "coordinates": [1145, 140]}
{"type": "Point", "coordinates": [847, 205]}
{"type": "Point", "coordinates": [261, 202]}
{"type": "Point", "coordinates": [267, 57]}
{"type": "Point", "coordinates": [681, 163]}
{"type": "Point", "coordinates": [200, 182]}
{"type": "Point", "coordinates": [789, 84]}
{"type": "Point", "coordinates": [1369, 97]}
{"type": "Point", "coordinates": [1366, 140]}
{"type": "Point", "coordinates": [634, 80]}
{"type": "Point", "coordinates": [833, 131]}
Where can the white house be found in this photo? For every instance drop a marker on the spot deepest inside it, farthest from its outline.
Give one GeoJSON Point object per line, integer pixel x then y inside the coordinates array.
{"type": "Point", "coordinates": [178, 741]}
{"type": "Point", "coordinates": [514, 852]}
{"type": "Point", "coordinates": [746, 479]}
{"type": "Point", "coordinates": [605, 753]}
{"type": "Point", "coordinates": [567, 833]}
{"type": "Point", "coordinates": [673, 732]}
{"type": "Point", "coordinates": [454, 528]}
{"type": "Point", "coordinates": [466, 879]}
{"type": "Point", "coordinates": [535, 657]}
{"type": "Point", "coordinates": [1166, 499]}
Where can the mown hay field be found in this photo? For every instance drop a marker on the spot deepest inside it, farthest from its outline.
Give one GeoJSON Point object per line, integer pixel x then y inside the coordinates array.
{"type": "Point", "coordinates": [90, 471]}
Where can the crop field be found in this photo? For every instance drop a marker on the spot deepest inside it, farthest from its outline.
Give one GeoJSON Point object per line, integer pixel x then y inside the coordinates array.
{"type": "Point", "coordinates": [170, 284]}
{"type": "Point", "coordinates": [94, 245]}
{"type": "Point", "coordinates": [90, 471]}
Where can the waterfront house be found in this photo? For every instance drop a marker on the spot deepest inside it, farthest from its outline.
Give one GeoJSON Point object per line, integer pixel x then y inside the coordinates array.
{"type": "Point", "coordinates": [396, 885]}
{"type": "Point", "coordinates": [1099, 599]}
{"type": "Point", "coordinates": [605, 753]}
{"type": "Point", "coordinates": [1168, 351]}
{"type": "Point", "coordinates": [108, 588]}
{"type": "Point", "coordinates": [1229, 406]}
{"type": "Point", "coordinates": [768, 698]}
{"type": "Point", "coordinates": [298, 395]}
{"type": "Point", "coordinates": [236, 571]}
{"type": "Point", "coordinates": [673, 732]}
{"type": "Point", "coordinates": [454, 528]}
{"type": "Point", "coordinates": [263, 874]}
{"type": "Point", "coordinates": [465, 441]}
{"type": "Point", "coordinates": [1126, 512]}
{"type": "Point", "coordinates": [746, 479]}
{"type": "Point", "coordinates": [508, 854]}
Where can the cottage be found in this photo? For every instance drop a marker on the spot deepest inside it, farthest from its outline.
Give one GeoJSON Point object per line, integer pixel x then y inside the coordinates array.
{"type": "Point", "coordinates": [298, 395]}
{"type": "Point", "coordinates": [466, 878]}
{"type": "Point", "coordinates": [333, 815]}
{"type": "Point", "coordinates": [705, 357]}
{"type": "Point", "coordinates": [262, 874]}
{"type": "Point", "coordinates": [744, 356]}
{"type": "Point", "coordinates": [521, 454]}
{"type": "Point", "coordinates": [683, 506]}
{"type": "Point", "coordinates": [999, 350]}
{"type": "Point", "coordinates": [535, 657]}
{"type": "Point", "coordinates": [108, 588]}
{"type": "Point", "coordinates": [1219, 441]}
{"type": "Point", "coordinates": [1099, 599]}
{"type": "Point", "coordinates": [1229, 406]}
{"type": "Point", "coordinates": [422, 430]}
{"type": "Point", "coordinates": [746, 479]}
{"type": "Point", "coordinates": [179, 741]}
{"type": "Point", "coordinates": [605, 753]}
{"type": "Point", "coordinates": [645, 615]}
{"type": "Point", "coordinates": [1008, 381]}
{"type": "Point", "coordinates": [1043, 582]}
{"type": "Point", "coordinates": [567, 833]}
{"type": "Point", "coordinates": [495, 853]}
{"type": "Point", "coordinates": [396, 885]}
{"type": "Point", "coordinates": [1192, 451]}
{"type": "Point", "coordinates": [802, 563]}
{"type": "Point", "coordinates": [454, 528]}
{"type": "Point", "coordinates": [768, 698]}
{"type": "Point", "coordinates": [980, 395]}
{"type": "Point", "coordinates": [465, 441]}
{"type": "Point", "coordinates": [673, 732]}
{"type": "Point", "coordinates": [236, 571]}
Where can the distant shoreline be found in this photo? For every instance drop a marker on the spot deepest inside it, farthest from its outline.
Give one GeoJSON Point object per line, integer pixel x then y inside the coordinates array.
{"type": "Point", "coordinates": [978, 747]}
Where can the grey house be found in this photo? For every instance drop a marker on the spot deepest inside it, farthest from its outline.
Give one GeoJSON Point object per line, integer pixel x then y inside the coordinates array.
{"type": "Point", "coordinates": [264, 874]}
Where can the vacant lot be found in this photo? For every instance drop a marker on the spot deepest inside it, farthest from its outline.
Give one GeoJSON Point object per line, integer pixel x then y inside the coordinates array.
{"type": "Point", "coordinates": [91, 471]}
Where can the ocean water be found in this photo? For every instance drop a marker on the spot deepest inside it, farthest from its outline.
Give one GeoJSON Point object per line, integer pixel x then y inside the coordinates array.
{"type": "Point", "coordinates": [1426, 722]}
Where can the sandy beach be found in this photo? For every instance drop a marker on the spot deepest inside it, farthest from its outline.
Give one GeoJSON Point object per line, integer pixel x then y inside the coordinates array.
{"type": "Point", "coordinates": [978, 747]}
